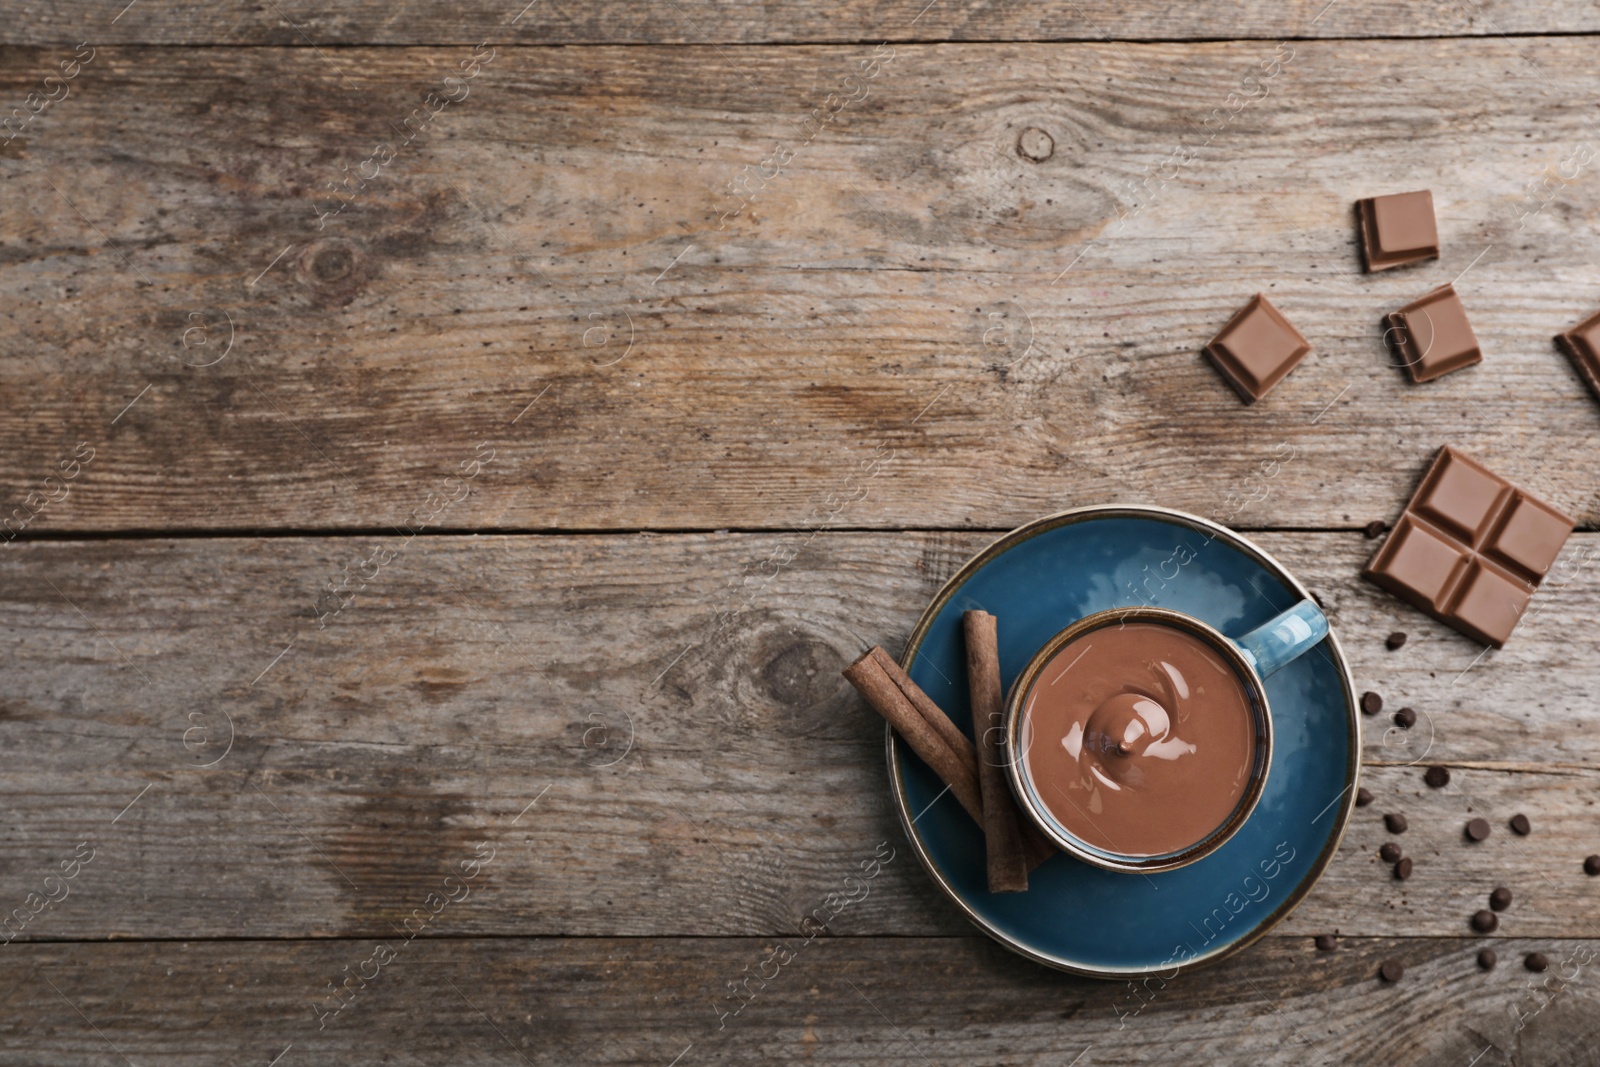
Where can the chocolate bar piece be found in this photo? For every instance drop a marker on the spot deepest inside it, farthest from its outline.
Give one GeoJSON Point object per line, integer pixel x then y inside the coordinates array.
{"type": "Point", "coordinates": [1257, 349]}
{"type": "Point", "coordinates": [1397, 230]}
{"type": "Point", "coordinates": [1470, 548]}
{"type": "Point", "coordinates": [1582, 346]}
{"type": "Point", "coordinates": [1433, 336]}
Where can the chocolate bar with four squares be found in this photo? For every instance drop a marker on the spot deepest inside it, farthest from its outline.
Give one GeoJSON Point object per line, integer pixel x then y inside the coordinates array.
{"type": "Point", "coordinates": [1470, 548]}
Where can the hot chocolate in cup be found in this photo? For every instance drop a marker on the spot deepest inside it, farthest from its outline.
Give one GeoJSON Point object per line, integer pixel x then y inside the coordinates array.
{"type": "Point", "coordinates": [1139, 739]}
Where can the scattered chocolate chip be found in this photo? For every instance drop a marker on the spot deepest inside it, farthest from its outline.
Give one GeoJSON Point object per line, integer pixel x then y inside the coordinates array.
{"type": "Point", "coordinates": [1405, 718]}
{"type": "Point", "coordinates": [1363, 797]}
{"type": "Point", "coordinates": [1402, 869]}
{"type": "Point", "coordinates": [1500, 899]}
{"type": "Point", "coordinates": [1591, 865]}
{"type": "Point", "coordinates": [1325, 942]}
{"type": "Point", "coordinates": [1375, 528]}
{"type": "Point", "coordinates": [1391, 971]}
{"type": "Point", "coordinates": [1536, 961]}
{"type": "Point", "coordinates": [1371, 703]}
{"type": "Point", "coordinates": [1395, 640]}
{"type": "Point", "coordinates": [1437, 777]}
{"type": "Point", "coordinates": [1487, 959]}
{"type": "Point", "coordinates": [1395, 822]}
{"type": "Point", "coordinates": [1520, 825]}
{"type": "Point", "coordinates": [1478, 829]}
{"type": "Point", "coordinates": [1390, 852]}
{"type": "Point", "coordinates": [1485, 921]}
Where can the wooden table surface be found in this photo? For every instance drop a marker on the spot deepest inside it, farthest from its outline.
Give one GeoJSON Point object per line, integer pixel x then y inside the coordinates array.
{"type": "Point", "coordinates": [452, 450]}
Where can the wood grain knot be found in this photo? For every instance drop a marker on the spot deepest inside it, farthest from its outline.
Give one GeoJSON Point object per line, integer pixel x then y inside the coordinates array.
{"type": "Point", "coordinates": [333, 270]}
{"type": "Point", "coordinates": [800, 676]}
{"type": "Point", "coordinates": [333, 264]}
{"type": "Point", "coordinates": [1033, 143]}
{"type": "Point", "coordinates": [792, 674]}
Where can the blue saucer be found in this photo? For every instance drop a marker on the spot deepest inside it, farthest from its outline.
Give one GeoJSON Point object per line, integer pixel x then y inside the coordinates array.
{"type": "Point", "coordinates": [1036, 581]}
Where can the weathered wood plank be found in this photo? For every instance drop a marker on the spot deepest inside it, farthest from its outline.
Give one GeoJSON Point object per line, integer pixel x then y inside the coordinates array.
{"type": "Point", "coordinates": [846, 1001]}
{"type": "Point", "coordinates": [881, 337]}
{"type": "Point", "coordinates": [693, 761]}
{"type": "Point", "coordinates": [296, 25]}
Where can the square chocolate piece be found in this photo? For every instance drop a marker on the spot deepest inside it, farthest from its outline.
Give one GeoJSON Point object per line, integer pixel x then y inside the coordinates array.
{"type": "Point", "coordinates": [1397, 230]}
{"type": "Point", "coordinates": [1489, 604]}
{"type": "Point", "coordinates": [1257, 349]}
{"type": "Point", "coordinates": [1433, 336]}
{"type": "Point", "coordinates": [1582, 346]}
{"type": "Point", "coordinates": [1470, 548]}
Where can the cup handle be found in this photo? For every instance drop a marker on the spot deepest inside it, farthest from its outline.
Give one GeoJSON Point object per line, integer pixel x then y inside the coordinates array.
{"type": "Point", "coordinates": [1280, 641]}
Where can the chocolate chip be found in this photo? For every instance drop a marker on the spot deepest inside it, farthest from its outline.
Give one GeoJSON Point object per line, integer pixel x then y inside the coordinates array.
{"type": "Point", "coordinates": [1395, 640]}
{"type": "Point", "coordinates": [1485, 921]}
{"type": "Point", "coordinates": [1536, 961]}
{"type": "Point", "coordinates": [1391, 971]}
{"type": "Point", "coordinates": [1363, 797]}
{"type": "Point", "coordinates": [1395, 822]}
{"type": "Point", "coordinates": [1371, 703]}
{"type": "Point", "coordinates": [1487, 959]}
{"type": "Point", "coordinates": [1405, 718]}
{"type": "Point", "coordinates": [1390, 852]}
{"type": "Point", "coordinates": [1437, 777]}
{"type": "Point", "coordinates": [1375, 528]}
{"type": "Point", "coordinates": [1478, 829]}
{"type": "Point", "coordinates": [1520, 825]}
{"type": "Point", "coordinates": [1402, 870]}
{"type": "Point", "coordinates": [1591, 865]}
{"type": "Point", "coordinates": [1325, 942]}
{"type": "Point", "coordinates": [1500, 899]}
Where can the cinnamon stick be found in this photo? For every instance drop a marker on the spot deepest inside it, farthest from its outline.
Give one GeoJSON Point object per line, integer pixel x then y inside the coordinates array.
{"type": "Point", "coordinates": [893, 694]}
{"type": "Point", "coordinates": [1008, 871]}
{"type": "Point", "coordinates": [931, 712]}
{"type": "Point", "coordinates": [867, 674]}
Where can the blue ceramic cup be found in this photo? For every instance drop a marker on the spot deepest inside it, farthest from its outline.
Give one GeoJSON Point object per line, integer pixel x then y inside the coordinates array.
{"type": "Point", "coordinates": [1254, 656]}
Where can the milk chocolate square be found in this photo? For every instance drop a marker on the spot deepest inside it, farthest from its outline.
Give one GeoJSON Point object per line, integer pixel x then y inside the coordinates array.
{"type": "Point", "coordinates": [1530, 536]}
{"type": "Point", "coordinates": [1458, 495]}
{"type": "Point", "coordinates": [1489, 604]}
{"type": "Point", "coordinates": [1257, 349]}
{"type": "Point", "coordinates": [1432, 335]}
{"type": "Point", "coordinates": [1430, 562]}
{"type": "Point", "coordinates": [1582, 346]}
{"type": "Point", "coordinates": [1470, 548]}
{"type": "Point", "coordinates": [1397, 230]}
